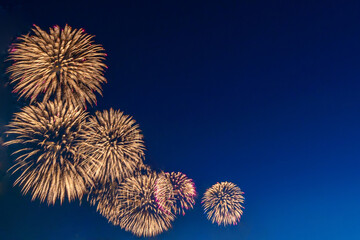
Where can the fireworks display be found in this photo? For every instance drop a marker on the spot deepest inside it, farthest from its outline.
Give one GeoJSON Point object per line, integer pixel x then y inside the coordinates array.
{"type": "Point", "coordinates": [140, 213]}
{"type": "Point", "coordinates": [48, 135]}
{"type": "Point", "coordinates": [177, 187]}
{"type": "Point", "coordinates": [114, 145]}
{"type": "Point", "coordinates": [62, 64]}
{"type": "Point", "coordinates": [223, 203]}
{"type": "Point", "coordinates": [63, 154]}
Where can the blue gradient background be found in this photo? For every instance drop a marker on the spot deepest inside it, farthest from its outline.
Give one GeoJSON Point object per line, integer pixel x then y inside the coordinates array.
{"type": "Point", "coordinates": [261, 93]}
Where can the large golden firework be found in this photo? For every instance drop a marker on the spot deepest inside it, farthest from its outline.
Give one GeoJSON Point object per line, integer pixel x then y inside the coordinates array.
{"type": "Point", "coordinates": [62, 64]}
{"type": "Point", "coordinates": [177, 188]}
{"type": "Point", "coordinates": [47, 135]}
{"type": "Point", "coordinates": [114, 145]}
{"type": "Point", "coordinates": [223, 203]}
{"type": "Point", "coordinates": [140, 213]}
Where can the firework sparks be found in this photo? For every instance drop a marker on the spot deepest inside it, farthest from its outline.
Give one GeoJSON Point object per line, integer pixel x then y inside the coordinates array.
{"type": "Point", "coordinates": [62, 64]}
{"type": "Point", "coordinates": [140, 212]}
{"type": "Point", "coordinates": [104, 196]}
{"type": "Point", "coordinates": [178, 188]}
{"type": "Point", "coordinates": [114, 145]}
{"type": "Point", "coordinates": [49, 166]}
{"type": "Point", "coordinates": [223, 203]}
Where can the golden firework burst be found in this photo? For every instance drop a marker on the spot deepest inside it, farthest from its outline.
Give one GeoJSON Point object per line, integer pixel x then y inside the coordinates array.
{"type": "Point", "coordinates": [140, 213]}
{"type": "Point", "coordinates": [176, 189]}
{"type": "Point", "coordinates": [47, 135]}
{"type": "Point", "coordinates": [114, 145]}
{"type": "Point", "coordinates": [63, 64]}
{"type": "Point", "coordinates": [223, 203]}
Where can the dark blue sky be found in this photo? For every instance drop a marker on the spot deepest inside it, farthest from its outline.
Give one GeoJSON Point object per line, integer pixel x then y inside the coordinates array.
{"type": "Point", "coordinates": [261, 93]}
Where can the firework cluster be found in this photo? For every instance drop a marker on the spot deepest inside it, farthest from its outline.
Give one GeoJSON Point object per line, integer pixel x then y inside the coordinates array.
{"type": "Point", "coordinates": [63, 152]}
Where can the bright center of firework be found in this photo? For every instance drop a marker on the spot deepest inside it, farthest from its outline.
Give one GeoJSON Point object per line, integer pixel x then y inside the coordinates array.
{"type": "Point", "coordinates": [113, 139]}
{"type": "Point", "coordinates": [223, 196]}
{"type": "Point", "coordinates": [57, 67]}
{"type": "Point", "coordinates": [56, 140]}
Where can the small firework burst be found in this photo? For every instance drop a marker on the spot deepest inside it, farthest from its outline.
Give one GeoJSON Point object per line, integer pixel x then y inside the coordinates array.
{"type": "Point", "coordinates": [140, 213]}
{"type": "Point", "coordinates": [177, 188]}
{"type": "Point", "coordinates": [114, 145]}
{"type": "Point", "coordinates": [47, 135]}
{"type": "Point", "coordinates": [62, 64]}
{"type": "Point", "coordinates": [223, 203]}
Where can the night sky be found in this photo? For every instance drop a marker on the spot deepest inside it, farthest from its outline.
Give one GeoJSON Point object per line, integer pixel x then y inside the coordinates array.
{"type": "Point", "coordinates": [265, 94]}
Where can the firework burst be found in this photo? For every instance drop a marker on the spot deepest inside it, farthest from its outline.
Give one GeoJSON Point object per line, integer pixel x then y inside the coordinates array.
{"type": "Point", "coordinates": [223, 203]}
{"type": "Point", "coordinates": [114, 145]}
{"type": "Point", "coordinates": [177, 188]}
{"type": "Point", "coordinates": [140, 212]}
{"type": "Point", "coordinates": [62, 64]}
{"type": "Point", "coordinates": [48, 162]}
